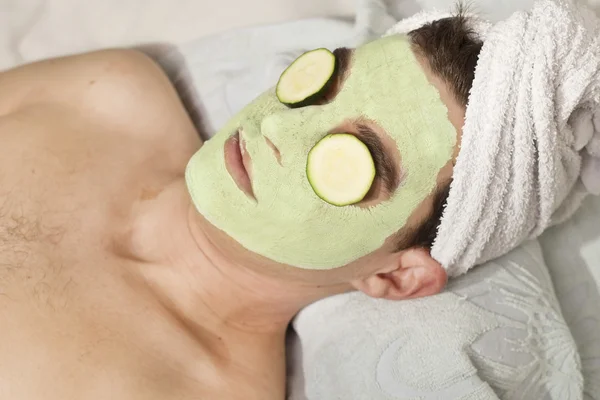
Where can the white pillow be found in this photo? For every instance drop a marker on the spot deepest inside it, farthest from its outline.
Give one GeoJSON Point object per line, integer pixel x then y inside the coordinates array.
{"type": "Point", "coordinates": [497, 332]}
{"type": "Point", "coordinates": [572, 253]}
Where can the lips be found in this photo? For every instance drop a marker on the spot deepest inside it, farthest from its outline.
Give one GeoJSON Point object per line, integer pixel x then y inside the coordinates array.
{"type": "Point", "coordinates": [239, 163]}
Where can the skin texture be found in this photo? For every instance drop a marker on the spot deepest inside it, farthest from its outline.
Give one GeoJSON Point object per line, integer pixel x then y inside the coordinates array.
{"type": "Point", "coordinates": [284, 220]}
{"type": "Point", "coordinates": [112, 285]}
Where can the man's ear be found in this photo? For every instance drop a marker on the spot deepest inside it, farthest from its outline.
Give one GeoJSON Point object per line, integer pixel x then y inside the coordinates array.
{"type": "Point", "coordinates": [414, 274]}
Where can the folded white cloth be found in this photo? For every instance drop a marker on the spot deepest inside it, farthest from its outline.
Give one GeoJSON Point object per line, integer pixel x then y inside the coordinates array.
{"type": "Point", "coordinates": [530, 148]}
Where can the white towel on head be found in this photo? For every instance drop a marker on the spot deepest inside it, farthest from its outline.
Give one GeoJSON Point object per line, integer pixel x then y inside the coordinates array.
{"type": "Point", "coordinates": [531, 141]}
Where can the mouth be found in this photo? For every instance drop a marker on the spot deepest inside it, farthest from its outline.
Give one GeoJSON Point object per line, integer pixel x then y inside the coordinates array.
{"type": "Point", "coordinates": [239, 163]}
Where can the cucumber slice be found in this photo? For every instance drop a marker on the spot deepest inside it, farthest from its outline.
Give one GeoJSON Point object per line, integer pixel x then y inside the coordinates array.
{"type": "Point", "coordinates": [340, 169]}
{"type": "Point", "coordinates": [306, 78]}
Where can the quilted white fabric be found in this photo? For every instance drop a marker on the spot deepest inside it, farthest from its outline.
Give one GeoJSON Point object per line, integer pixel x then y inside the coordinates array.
{"type": "Point", "coordinates": [496, 333]}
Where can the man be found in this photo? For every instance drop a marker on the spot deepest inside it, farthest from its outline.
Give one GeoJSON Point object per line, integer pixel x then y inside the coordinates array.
{"type": "Point", "coordinates": [113, 284]}
{"type": "Point", "coordinates": [134, 265]}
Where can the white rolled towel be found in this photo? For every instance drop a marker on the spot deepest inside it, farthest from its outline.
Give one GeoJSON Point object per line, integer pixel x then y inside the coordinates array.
{"type": "Point", "coordinates": [530, 149]}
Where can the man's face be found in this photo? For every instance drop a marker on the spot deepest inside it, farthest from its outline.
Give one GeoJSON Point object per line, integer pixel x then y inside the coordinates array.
{"type": "Point", "coordinates": [250, 180]}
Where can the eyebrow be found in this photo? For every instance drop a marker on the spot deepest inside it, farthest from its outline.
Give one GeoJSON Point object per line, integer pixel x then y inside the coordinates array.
{"type": "Point", "coordinates": [384, 165]}
{"type": "Point", "coordinates": [342, 55]}
{"type": "Point", "coordinates": [342, 58]}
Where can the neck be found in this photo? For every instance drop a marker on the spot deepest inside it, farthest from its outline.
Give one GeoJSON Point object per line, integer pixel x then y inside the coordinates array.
{"type": "Point", "coordinates": [202, 284]}
{"type": "Point", "coordinates": [244, 299]}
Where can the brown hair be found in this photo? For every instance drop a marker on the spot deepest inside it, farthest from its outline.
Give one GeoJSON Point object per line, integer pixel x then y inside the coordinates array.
{"type": "Point", "coordinates": [451, 47]}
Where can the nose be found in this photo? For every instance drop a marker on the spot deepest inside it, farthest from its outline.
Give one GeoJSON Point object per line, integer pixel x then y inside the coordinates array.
{"type": "Point", "coordinates": [272, 124]}
{"type": "Point", "coordinates": [281, 133]}
{"type": "Point", "coordinates": [293, 131]}
{"type": "Point", "coordinates": [288, 122]}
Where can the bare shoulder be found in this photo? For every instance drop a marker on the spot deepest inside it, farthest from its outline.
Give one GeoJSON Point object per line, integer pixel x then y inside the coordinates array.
{"type": "Point", "coordinates": [40, 82]}
{"type": "Point", "coordinates": [124, 90]}
{"type": "Point", "coordinates": [125, 80]}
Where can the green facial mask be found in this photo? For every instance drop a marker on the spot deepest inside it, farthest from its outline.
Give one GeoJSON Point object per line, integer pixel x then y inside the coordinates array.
{"type": "Point", "coordinates": [288, 222]}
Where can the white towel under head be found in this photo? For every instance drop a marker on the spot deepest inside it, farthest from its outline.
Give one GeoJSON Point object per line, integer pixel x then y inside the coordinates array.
{"type": "Point", "coordinates": [530, 149]}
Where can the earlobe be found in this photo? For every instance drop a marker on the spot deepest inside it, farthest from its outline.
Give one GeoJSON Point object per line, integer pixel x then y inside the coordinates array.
{"type": "Point", "coordinates": [416, 274]}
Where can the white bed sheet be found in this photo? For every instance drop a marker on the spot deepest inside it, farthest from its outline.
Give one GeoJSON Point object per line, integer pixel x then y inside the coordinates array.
{"type": "Point", "coordinates": [34, 29]}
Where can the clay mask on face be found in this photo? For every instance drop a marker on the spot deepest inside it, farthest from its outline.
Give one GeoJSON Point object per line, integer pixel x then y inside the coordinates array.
{"type": "Point", "coordinates": [288, 222]}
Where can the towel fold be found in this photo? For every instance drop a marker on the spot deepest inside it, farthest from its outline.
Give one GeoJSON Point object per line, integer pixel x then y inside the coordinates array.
{"type": "Point", "coordinates": [530, 149]}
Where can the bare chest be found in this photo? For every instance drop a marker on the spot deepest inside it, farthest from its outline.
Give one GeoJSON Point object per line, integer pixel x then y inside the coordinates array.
{"type": "Point", "coordinates": [73, 326]}
{"type": "Point", "coordinates": [73, 323]}
{"type": "Point", "coordinates": [63, 192]}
